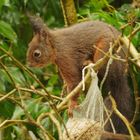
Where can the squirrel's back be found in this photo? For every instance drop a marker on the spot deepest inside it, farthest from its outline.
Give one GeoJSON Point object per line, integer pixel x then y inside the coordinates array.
{"type": "Point", "coordinates": [79, 41]}
{"type": "Point", "coordinates": [85, 33]}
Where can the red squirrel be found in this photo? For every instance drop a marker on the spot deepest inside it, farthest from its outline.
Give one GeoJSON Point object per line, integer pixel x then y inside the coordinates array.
{"type": "Point", "coordinates": [69, 48]}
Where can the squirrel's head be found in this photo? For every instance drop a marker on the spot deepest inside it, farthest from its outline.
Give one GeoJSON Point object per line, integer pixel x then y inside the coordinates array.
{"type": "Point", "coordinates": [40, 50]}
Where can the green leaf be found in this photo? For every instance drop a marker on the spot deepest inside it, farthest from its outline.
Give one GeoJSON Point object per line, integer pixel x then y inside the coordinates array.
{"type": "Point", "coordinates": [18, 113]}
{"type": "Point", "coordinates": [2, 79]}
{"type": "Point", "coordinates": [2, 3]}
{"type": "Point", "coordinates": [25, 2]}
{"type": "Point", "coordinates": [6, 109]}
{"type": "Point", "coordinates": [7, 31]}
{"type": "Point", "coordinates": [4, 46]}
{"type": "Point", "coordinates": [34, 106]}
{"type": "Point", "coordinates": [53, 80]}
{"type": "Point", "coordinates": [17, 75]}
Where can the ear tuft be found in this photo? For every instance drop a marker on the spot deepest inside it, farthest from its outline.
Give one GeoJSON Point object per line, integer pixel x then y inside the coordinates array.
{"type": "Point", "coordinates": [37, 23]}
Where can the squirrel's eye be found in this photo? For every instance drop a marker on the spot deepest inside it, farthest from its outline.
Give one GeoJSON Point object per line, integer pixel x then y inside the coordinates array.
{"type": "Point", "coordinates": [37, 53]}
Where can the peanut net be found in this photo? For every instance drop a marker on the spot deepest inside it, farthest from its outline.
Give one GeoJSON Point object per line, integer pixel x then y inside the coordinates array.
{"type": "Point", "coordinates": [88, 117]}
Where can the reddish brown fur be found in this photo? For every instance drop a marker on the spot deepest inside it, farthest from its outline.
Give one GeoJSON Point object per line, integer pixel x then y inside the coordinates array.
{"type": "Point", "coordinates": [71, 47]}
{"type": "Point", "coordinates": [100, 44]}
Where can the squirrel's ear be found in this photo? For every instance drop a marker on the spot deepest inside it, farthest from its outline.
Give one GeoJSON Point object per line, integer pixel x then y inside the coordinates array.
{"type": "Point", "coordinates": [37, 24]}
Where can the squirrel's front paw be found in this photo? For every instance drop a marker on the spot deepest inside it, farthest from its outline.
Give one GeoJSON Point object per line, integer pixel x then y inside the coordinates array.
{"type": "Point", "coordinates": [72, 104]}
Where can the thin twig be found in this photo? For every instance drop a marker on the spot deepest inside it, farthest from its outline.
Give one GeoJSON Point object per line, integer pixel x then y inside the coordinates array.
{"type": "Point", "coordinates": [132, 49]}
{"type": "Point", "coordinates": [8, 123]}
{"type": "Point", "coordinates": [126, 122]}
{"type": "Point", "coordinates": [64, 13]}
{"type": "Point", "coordinates": [134, 32]}
{"type": "Point", "coordinates": [41, 93]}
{"type": "Point", "coordinates": [8, 73]}
{"type": "Point", "coordinates": [110, 56]}
{"type": "Point", "coordinates": [136, 95]}
{"type": "Point", "coordinates": [7, 95]}
{"type": "Point", "coordinates": [107, 68]}
{"type": "Point", "coordinates": [54, 120]}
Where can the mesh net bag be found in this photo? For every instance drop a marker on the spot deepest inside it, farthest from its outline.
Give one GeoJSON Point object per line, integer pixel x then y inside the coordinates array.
{"type": "Point", "coordinates": [88, 117]}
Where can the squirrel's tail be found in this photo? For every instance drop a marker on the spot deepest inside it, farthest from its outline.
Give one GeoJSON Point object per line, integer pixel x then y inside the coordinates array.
{"type": "Point", "coordinates": [117, 84]}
